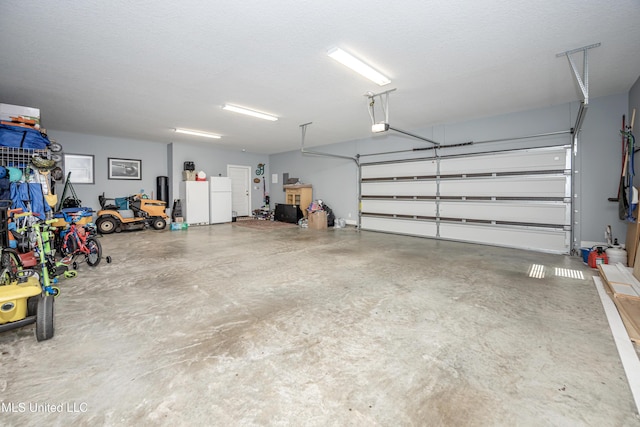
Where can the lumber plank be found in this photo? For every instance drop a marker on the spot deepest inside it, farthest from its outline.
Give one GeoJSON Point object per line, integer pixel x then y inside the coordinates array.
{"type": "Point", "coordinates": [629, 310]}
{"type": "Point", "coordinates": [628, 355]}
{"type": "Point", "coordinates": [619, 280]}
{"type": "Point", "coordinates": [629, 279]}
{"type": "Point", "coordinates": [636, 265]}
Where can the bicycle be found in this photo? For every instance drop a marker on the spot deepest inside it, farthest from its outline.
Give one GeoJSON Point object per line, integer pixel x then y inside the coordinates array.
{"type": "Point", "coordinates": [76, 241]}
{"type": "Point", "coordinates": [27, 295]}
{"type": "Point", "coordinates": [10, 265]}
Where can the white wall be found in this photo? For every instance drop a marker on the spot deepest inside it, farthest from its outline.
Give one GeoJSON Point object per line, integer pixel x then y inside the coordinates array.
{"type": "Point", "coordinates": [213, 161]}
{"type": "Point", "coordinates": [600, 168]}
{"type": "Point", "coordinates": [333, 180]}
{"type": "Point", "coordinates": [152, 154]}
{"type": "Point", "coordinates": [158, 159]}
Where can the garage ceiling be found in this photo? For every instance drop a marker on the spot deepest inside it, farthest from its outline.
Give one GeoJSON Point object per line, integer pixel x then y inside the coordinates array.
{"type": "Point", "coordinates": [139, 69]}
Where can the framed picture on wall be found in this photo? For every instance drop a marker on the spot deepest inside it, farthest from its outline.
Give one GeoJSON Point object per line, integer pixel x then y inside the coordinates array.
{"type": "Point", "coordinates": [81, 168]}
{"type": "Point", "coordinates": [124, 168]}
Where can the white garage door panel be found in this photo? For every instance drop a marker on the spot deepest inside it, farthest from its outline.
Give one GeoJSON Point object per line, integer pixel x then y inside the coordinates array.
{"type": "Point", "coordinates": [547, 240]}
{"type": "Point", "coordinates": [392, 170]}
{"type": "Point", "coordinates": [521, 161]}
{"type": "Point", "coordinates": [399, 188]}
{"type": "Point", "coordinates": [529, 212]}
{"type": "Point", "coordinates": [506, 186]}
{"type": "Point", "coordinates": [400, 207]}
{"type": "Point", "coordinates": [399, 226]}
{"type": "Point", "coordinates": [517, 198]}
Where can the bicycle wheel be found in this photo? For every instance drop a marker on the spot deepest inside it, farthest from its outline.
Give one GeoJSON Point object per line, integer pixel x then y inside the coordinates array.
{"type": "Point", "coordinates": [95, 252]}
{"type": "Point", "coordinates": [9, 266]}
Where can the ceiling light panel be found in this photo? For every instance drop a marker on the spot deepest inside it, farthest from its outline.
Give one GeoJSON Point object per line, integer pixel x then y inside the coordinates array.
{"type": "Point", "coordinates": [249, 112]}
{"type": "Point", "coordinates": [197, 133]}
{"type": "Point", "coordinates": [358, 66]}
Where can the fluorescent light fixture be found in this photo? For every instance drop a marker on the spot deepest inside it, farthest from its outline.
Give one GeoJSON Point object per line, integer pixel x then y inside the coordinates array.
{"type": "Point", "coordinates": [380, 127]}
{"type": "Point", "coordinates": [358, 66]}
{"type": "Point", "coordinates": [249, 112]}
{"type": "Point", "coordinates": [197, 133]}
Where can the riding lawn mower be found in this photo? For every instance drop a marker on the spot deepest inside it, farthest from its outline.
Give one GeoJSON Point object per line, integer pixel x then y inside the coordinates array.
{"type": "Point", "coordinates": [136, 214]}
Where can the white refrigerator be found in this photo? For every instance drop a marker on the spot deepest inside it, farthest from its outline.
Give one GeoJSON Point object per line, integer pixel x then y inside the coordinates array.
{"type": "Point", "coordinates": [219, 199]}
{"type": "Point", "coordinates": [194, 196]}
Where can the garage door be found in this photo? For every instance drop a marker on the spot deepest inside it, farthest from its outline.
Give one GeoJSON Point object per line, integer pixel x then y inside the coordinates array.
{"type": "Point", "coordinates": [515, 198]}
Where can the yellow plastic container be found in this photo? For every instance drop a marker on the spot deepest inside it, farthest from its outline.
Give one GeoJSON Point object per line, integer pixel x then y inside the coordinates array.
{"type": "Point", "coordinates": [61, 223]}
{"type": "Point", "coordinates": [13, 299]}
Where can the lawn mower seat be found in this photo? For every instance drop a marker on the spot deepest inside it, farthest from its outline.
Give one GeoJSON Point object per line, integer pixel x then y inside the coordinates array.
{"type": "Point", "coordinates": [107, 206]}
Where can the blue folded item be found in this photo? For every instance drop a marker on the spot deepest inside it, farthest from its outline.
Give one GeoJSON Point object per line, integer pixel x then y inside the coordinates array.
{"type": "Point", "coordinates": [85, 211]}
{"type": "Point", "coordinates": [68, 213]}
{"type": "Point", "coordinates": [36, 200]}
{"type": "Point", "coordinates": [21, 137]}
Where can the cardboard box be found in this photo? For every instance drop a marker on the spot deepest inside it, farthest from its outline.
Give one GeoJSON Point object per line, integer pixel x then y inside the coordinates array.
{"type": "Point", "coordinates": [7, 111]}
{"type": "Point", "coordinates": [318, 220]}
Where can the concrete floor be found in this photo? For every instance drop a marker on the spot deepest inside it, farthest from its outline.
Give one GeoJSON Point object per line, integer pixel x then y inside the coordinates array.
{"type": "Point", "coordinates": [223, 325]}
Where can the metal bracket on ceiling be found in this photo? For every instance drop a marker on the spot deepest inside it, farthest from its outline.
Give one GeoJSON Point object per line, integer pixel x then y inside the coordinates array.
{"type": "Point", "coordinates": [583, 80]}
{"type": "Point", "coordinates": [384, 101]}
{"type": "Point", "coordinates": [303, 129]}
{"type": "Point", "coordinates": [384, 126]}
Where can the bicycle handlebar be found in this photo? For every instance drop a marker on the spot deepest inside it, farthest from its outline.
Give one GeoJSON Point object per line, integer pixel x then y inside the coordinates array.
{"type": "Point", "coordinates": [47, 222]}
{"type": "Point", "coordinates": [22, 214]}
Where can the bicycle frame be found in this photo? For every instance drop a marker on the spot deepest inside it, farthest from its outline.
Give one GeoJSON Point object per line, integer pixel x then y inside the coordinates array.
{"type": "Point", "coordinates": [79, 240]}
{"type": "Point", "coordinates": [75, 240]}
{"type": "Point", "coordinates": [49, 268]}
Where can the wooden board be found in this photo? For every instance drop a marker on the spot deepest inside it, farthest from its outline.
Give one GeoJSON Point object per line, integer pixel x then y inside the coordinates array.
{"type": "Point", "coordinates": [616, 282]}
{"type": "Point", "coordinates": [21, 125]}
{"type": "Point", "coordinates": [629, 310]}
{"type": "Point", "coordinates": [620, 281]}
{"type": "Point", "coordinates": [636, 264]}
{"type": "Point", "coordinates": [632, 240]}
{"type": "Point", "coordinates": [628, 355]}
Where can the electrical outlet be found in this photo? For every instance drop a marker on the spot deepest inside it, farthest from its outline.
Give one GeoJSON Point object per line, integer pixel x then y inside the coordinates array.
{"type": "Point", "coordinates": [349, 214]}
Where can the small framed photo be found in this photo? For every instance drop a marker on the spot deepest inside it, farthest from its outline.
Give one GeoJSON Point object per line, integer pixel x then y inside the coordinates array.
{"type": "Point", "coordinates": [124, 168]}
{"type": "Point", "coordinates": [81, 168]}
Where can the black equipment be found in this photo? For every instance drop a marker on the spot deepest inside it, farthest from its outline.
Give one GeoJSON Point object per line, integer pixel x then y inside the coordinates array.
{"type": "Point", "coordinates": [162, 184]}
{"type": "Point", "coordinates": [288, 213]}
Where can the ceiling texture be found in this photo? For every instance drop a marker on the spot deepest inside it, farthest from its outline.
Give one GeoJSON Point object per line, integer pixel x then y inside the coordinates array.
{"type": "Point", "coordinates": [139, 69]}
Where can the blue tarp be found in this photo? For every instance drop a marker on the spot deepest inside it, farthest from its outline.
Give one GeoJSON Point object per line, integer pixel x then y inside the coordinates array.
{"type": "Point", "coordinates": [21, 137]}
{"type": "Point", "coordinates": [30, 198]}
{"type": "Point", "coordinates": [39, 206]}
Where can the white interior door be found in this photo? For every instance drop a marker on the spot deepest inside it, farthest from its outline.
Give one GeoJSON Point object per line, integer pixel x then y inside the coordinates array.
{"type": "Point", "coordinates": [240, 188]}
